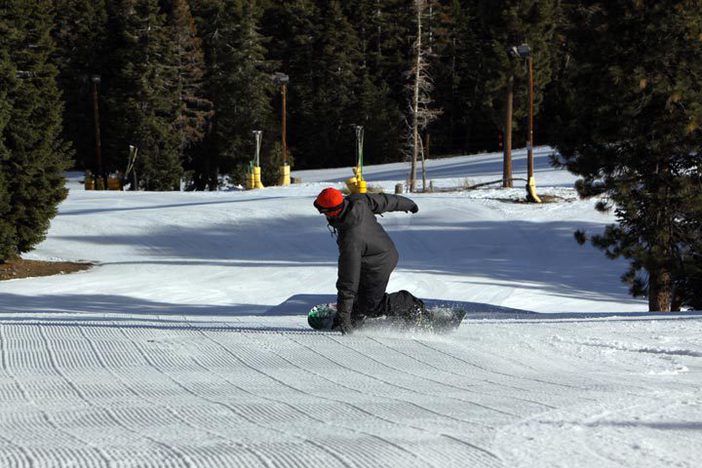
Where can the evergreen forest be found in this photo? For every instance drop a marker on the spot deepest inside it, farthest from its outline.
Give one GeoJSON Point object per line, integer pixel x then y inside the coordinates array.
{"type": "Point", "coordinates": [84, 84]}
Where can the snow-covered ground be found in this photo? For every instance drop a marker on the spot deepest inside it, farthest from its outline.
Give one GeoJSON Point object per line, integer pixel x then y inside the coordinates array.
{"type": "Point", "coordinates": [187, 346]}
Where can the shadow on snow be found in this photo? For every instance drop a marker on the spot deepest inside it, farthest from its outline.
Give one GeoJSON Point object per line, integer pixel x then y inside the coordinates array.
{"type": "Point", "coordinates": [128, 312]}
{"type": "Point", "coordinates": [473, 252]}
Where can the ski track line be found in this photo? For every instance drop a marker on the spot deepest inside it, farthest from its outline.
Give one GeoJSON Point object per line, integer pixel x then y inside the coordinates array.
{"type": "Point", "coordinates": [510, 376]}
{"type": "Point", "coordinates": [582, 439]}
{"type": "Point", "coordinates": [91, 403]}
{"type": "Point", "coordinates": [588, 444]}
{"type": "Point", "coordinates": [624, 366]}
{"type": "Point", "coordinates": [483, 450]}
{"type": "Point", "coordinates": [547, 357]}
{"type": "Point", "coordinates": [480, 379]}
{"type": "Point", "coordinates": [462, 376]}
{"type": "Point", "coordinates": [98, 354]}
{"type": "Point", "coordinates": [6, 368]}
{"type": "Point", "coordinates": [349, 404]}
{"type": "Point", "coordinates": [300, 411]}
{"type": "Point", "coordinates": [508, 359]}
{"type": "Point", "coordinates": [291, 387]}
{"type": "Point", "coordinates": [267, 427]}
{"type": "Point", "coordinates": [638, 349]}
{"type": "Point", "coordinates": [291, 407]}
{"type": "Point", "coordinates": [13, 460]}
{"type": "Point", "coordinates": [479, 405]}
{"type": "Point", "coordinates": [53, 424]}
{"type": "Point", "coordinates": [259, 456]}
{"type": "Point", "coordinates": [390, 384]}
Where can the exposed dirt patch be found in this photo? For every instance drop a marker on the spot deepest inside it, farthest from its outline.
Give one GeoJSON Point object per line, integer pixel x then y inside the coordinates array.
{"type": "Point", "coordinates": [15, 269]}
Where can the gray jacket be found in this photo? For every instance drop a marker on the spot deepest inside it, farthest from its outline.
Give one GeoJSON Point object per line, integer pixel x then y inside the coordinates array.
{"type": "Point", "coordinates": [365, 249]}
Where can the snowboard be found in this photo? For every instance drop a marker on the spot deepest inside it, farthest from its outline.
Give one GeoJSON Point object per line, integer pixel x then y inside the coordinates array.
{"type": "Point", "coordinates": [434, 319]}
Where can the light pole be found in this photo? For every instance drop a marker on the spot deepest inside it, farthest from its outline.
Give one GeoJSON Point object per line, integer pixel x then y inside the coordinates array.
{"type": "Point", "coordinates": [95, 79]}
{"type": "Point", "coordinates": [282, 80]}
{"type": "Point", "coordinates": [524, 51]}
{"type": "Point", "coordinates": [257, 161]}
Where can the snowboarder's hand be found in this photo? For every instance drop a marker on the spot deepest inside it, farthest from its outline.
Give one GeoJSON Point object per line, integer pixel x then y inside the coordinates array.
{"type": "Point", "coordinates": [345, 324]}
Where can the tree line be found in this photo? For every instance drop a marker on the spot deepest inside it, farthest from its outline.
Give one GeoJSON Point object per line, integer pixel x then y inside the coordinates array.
{"type": "Point", "coordinates": [617, 92]}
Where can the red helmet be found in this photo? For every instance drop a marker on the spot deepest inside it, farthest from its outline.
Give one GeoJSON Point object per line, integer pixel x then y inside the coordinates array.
{"type": "Point", "coordinates": [329, 202]}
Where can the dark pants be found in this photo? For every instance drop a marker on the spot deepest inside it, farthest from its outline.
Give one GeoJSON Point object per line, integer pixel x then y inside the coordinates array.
{"type": "Point", "coordinates": [401, 304]}
{"type": "Point", "coordinates": [373, 301]}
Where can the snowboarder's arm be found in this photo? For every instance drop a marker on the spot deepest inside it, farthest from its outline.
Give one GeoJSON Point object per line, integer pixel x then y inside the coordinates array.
{"type": "Point", "coordinates": [349, 275]}
{"type": "Point", "coordinates": [380, 203]}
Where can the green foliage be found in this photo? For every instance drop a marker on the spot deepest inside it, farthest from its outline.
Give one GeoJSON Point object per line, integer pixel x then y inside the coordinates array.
{"type": "Point", "coordinates": [631, 129]}
{"type": "Point", "coordinates": [34, 157]}
{"type": "Point", "coordinates": [325, 83]}
{"type": "Point", "coordinates": [196, 109]}
{"type": "Point", "coordinates": [79, 30]}
{"type": "Point", "coordinates": [502, 25]}
{"type": "Point", "coordinates": [271, 165]}
{"type": "Point", "coordinates": [198, 72]}
{"type": "Point", "coordinates": [145, 95]}
{"type": "Point", "coordinates": [382, 122]}
{"type": "Point", "coordinates": [239, 83]}
{"type": "Point", "coordinates": [456, 71]}
{"type": "Point", "coordinates": [7, 230]}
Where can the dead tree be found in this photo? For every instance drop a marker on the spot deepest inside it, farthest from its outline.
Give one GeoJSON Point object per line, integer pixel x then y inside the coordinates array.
{"type": "Point", "coordinates": [420, 112]}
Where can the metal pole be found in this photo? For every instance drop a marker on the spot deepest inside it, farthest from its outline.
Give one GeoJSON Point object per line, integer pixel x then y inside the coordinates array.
{"type": "Point", "coordinates": [284, 92]}
{"type": "Point", "coordinates": [530, 143]}
{"type": "Point", "coordinates": [257, 137]}
{"type": "Point", "coordinates": [507, 149]}
{"type": "Point", "coordinates": [359, 148]}
{"type": "Point", "coordinates": [96, 119]}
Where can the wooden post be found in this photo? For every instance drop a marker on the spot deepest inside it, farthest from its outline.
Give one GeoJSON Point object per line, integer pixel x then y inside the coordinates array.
{"type": "Point", "coordinates": [96, 120]}
{"type": "Point", "coordinates": [507, 150]}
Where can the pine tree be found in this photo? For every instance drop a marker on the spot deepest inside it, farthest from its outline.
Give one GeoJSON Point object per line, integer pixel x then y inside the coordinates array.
{"type": "Point", "coordinates": [382, 121]}
{"type": "Point", "coordinates": [33, 173]}
{"type": "Point", "coordinates": [80, 34]}
{"type": "Point", "coordinates": [457, 85]}
{"type": "Point", "coordinates": [292, 27]}
{"type": "Point", "coordinates": [390, 48]}
{"type": "Point", "coordinates": [688, 251]}
{"type": "Point", "coordinates": [145, 91]}
{"type": "Point", "coordinates": [502, 25]}
{"type": "Point", "coordinates": [239, 81]}
{"type": "Point", "coordinates": [7, 81]}
{"type": "Point", "coordinates": [332, 97]}
{"type": "Point", "coordinates": [196, 110]}
{"type": "Point", "coordinates": [634, 132]}
{"type": "Point", "coordinates": [381, 115]}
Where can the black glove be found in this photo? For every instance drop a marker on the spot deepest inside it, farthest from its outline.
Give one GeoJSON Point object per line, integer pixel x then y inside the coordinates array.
{"type": "Point", "coordinates": [414, 209]}
{"type": "Point", "coordinates": [345, 323]}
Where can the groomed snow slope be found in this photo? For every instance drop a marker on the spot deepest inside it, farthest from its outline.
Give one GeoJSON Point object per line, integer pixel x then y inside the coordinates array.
{"type": "Point", "coordinates": [188, 347]}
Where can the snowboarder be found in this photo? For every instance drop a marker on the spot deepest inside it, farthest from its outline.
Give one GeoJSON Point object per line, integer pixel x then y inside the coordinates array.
{"type": "Point", "coordinates": [367, 257]}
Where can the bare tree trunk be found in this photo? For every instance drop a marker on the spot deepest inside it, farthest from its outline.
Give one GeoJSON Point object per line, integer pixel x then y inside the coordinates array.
{"type": "Point", "coordinates": [660, 290]}
{"type": "Point", "coordinates": [507, 149]}
{"type": "Point", "coordinates": [415, 100]}
{"type": "Point", "coordinates": [424, 167]}
{"type": "Point", "coordinates": [425, 156]}
{"type": "Point", "coordinates": [660, 276]}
